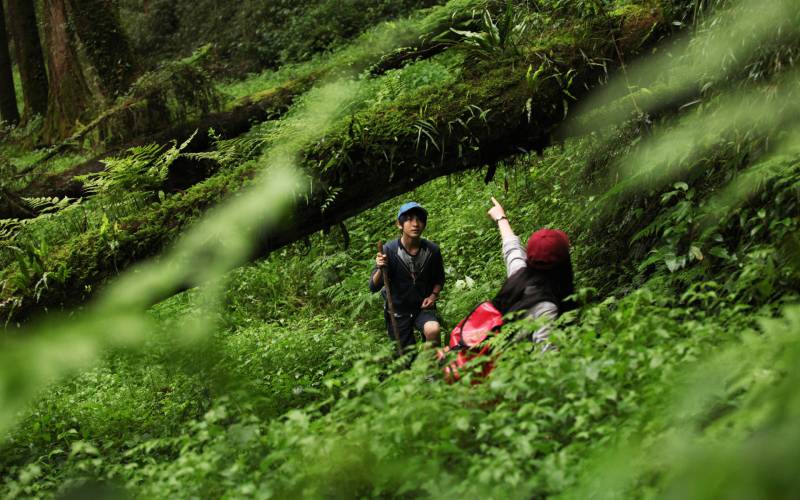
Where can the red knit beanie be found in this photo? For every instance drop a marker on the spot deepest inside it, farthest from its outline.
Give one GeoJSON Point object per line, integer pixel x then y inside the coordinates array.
{"type": "Point", "coordinates": [547, 247]}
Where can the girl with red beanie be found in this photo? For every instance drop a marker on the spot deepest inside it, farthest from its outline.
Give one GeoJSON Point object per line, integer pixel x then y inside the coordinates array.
{"type": "Point", "coordinates": [539, 277]}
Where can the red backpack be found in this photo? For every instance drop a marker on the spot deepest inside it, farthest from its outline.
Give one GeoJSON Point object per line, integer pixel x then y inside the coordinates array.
{"type": "Point", "coordinates": [468, 339]}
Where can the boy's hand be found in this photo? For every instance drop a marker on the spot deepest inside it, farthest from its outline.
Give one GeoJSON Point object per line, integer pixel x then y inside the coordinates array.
{"type": "Point", "coordinates": [496, 211]}
{"type": "Point", "coordinates": [429, 301]}
{"type": "Point", "coordinates": [381, 260]}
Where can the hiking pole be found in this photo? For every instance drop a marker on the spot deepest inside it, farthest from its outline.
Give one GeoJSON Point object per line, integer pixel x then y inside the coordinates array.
{"type": "Point", "coordinates": [392, 318]}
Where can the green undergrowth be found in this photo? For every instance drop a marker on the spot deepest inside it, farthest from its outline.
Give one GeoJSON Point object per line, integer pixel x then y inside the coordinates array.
{"type": "Point", "coordinates": [675, 377]}
{"type": "Point", "coordinates": [425, 115]}
{"type": "Point", "coordinates": [252, 35]}
{"type": "Point", "coordinates": [24, 165]}
{"type": "Point", "coordinates": [296, 392]}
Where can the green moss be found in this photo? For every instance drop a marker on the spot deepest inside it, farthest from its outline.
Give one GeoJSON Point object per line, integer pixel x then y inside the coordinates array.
{"type": "Point", "coordinates": [627, 9]}
{"type": "Point", "coordinates": [18, 90]}
{"type": "Point", "coordinates": [296, 393]}
{"type": "Point", "coordinates": [446, 110]}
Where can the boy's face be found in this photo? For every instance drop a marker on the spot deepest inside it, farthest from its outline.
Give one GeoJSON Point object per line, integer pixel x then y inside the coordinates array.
{"type": "Point", "coordinates": [412, 224]}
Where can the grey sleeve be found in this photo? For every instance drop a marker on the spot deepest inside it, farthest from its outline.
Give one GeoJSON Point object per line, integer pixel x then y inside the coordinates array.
{"type": "Point", "coordinates": [514, 255]}
{"type": "Point", "coordinates": [543, 309]}
{"type": "Point", "coordinates": [547, 310]}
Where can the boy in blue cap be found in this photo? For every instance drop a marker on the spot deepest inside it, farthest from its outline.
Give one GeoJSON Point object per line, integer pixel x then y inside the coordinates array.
{"type": "Point", "coordinates": [416, 275]}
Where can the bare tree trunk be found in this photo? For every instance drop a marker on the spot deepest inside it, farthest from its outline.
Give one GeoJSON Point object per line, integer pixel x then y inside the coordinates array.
{"type": "Point", "coordinates": [8, 96]}
{"type": "Point", "coordinates": [30, 59]}
{"type": "Point", "coordinates": [105, 44]}
{"type": "Point", "coordinates": [69, 94]}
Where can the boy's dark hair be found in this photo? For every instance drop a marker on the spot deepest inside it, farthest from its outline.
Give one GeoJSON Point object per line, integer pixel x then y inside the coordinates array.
{"type": "Point", "coordinates": [407, 215]}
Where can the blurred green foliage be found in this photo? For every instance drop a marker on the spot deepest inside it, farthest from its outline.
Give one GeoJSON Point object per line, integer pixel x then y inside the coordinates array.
{"type": "Point", "coordinates": [677, 376]}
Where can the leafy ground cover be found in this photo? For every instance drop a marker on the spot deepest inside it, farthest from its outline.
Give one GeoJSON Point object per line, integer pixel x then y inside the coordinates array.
{"type": "Point", "coordinates": [452, 111]}
{"type": "Point", "coordinates": [296, 392]}
{"type": "Point", "coordinates": [675, 378]}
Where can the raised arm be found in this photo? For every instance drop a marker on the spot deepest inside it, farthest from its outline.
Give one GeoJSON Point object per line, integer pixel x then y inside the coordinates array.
{"type": "Point", "coordinates": [498, 214]}
{"type": "Point", "coordinates": [513, 253]}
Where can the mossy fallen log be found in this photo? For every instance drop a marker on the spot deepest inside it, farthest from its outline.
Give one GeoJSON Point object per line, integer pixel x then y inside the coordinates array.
{"type": "Point", "coordinates": [375, 52]}
{"type": "Point", "coordinates": [258, 108]}
{"type": "Point", "coordinates": [264, 106]}
{"type": "Point", "coordinates": [494, 111]}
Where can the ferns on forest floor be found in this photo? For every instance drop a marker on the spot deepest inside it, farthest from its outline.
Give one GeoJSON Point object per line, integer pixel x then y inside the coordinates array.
{"type": "Point", "coordinates": [124, 187]}
{"type": "Point", "coordinates": [299, 395]}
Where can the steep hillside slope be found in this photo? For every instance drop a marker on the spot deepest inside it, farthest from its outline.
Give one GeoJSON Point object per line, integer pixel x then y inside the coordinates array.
{"type": "Point", "coordinates": [676, 377]}
{"type": "Point", "coordinates": [462, 109]}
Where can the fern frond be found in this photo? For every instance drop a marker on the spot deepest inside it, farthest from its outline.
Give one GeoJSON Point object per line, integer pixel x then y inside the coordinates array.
{"type": "Point", "coordinates": [650, 230]}
{"type": "Point", "coordinates": [9, 228]}
{"type": "Point", "coordinates": [40, 203]}
{"type": "Point", "coordinates": [332, 193]}
{"type": "Point", "coordinates": [46, 204]}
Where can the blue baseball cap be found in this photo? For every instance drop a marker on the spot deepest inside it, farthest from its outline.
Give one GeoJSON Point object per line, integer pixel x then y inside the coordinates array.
{"type": "Point", "coordinates": [412, 205]}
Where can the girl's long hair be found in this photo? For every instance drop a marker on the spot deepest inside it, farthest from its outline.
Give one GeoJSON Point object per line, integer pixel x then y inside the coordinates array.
{"type": "Point", "coordinates": [553, 285]}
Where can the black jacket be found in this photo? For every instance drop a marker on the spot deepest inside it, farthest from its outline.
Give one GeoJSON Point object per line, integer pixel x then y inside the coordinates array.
{"type": "Point", "coordinates": [527, 287]}
{"type": "Point", "coordinates": [411, 278]}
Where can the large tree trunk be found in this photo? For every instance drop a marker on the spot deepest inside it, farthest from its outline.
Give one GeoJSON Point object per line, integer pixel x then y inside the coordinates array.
{"type": "Point", "coordinates": [30, 60]}
{"type": "Point", "coordinates": [8, 96]}
{"type": "Point", "coordinates": [69, 94]}
{"type": "Point", "coordinates": [98, 28]}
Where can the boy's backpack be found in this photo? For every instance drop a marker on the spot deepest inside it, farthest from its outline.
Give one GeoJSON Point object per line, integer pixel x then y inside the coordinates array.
{"type": "Point", "coordinates": [468, 339]}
